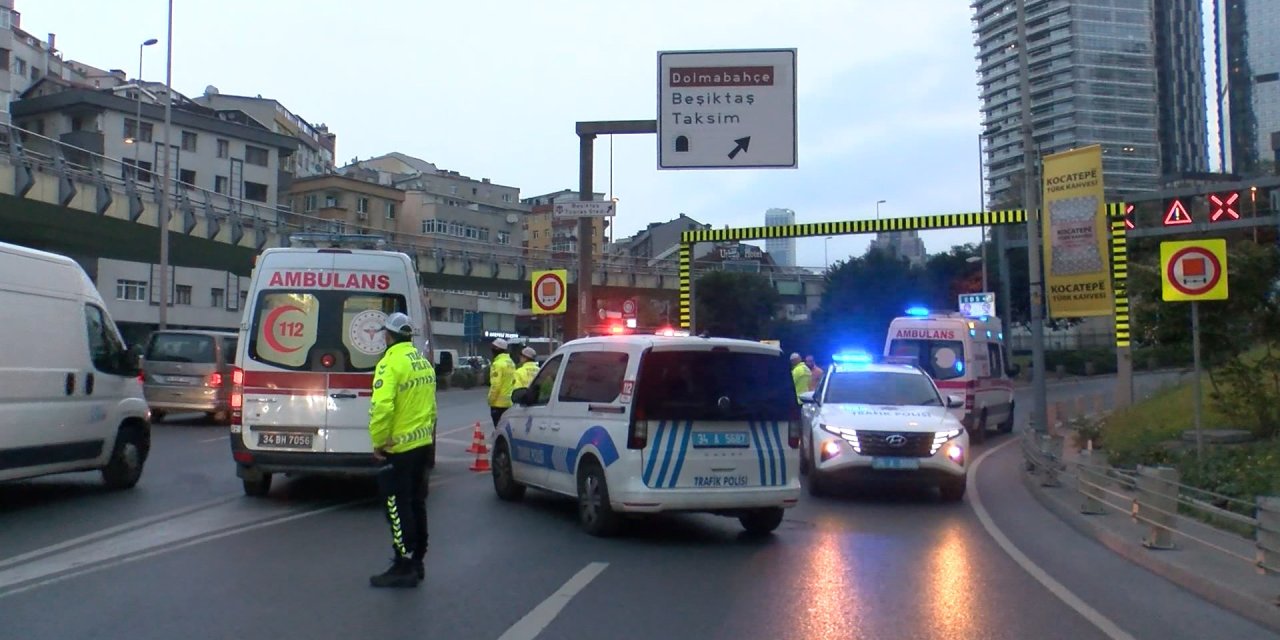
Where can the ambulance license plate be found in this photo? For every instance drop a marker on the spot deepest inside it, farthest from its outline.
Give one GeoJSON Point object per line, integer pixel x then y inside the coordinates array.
{"type": "Point", "coordinates": [285, 440]}
{"type": "Point", "coordinates": [714, 439]}
{"type": "Point", "coordinates": [897, 464]}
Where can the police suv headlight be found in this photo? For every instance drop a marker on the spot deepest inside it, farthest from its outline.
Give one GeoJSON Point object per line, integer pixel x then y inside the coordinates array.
{"type": "Point", "coordinates": [848, 435]}
{"type": "Point", "coordinates": [940, 438]}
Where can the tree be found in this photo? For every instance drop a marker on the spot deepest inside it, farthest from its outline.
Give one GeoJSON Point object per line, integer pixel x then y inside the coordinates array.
{"type": "Point", "coordinates": [861, 297]}
{"type": "Point", "coordinates": [735, 305]}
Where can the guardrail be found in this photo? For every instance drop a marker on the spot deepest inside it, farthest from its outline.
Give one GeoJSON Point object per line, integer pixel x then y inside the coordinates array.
{"type": "Point", "coordinates": [1173, 513]}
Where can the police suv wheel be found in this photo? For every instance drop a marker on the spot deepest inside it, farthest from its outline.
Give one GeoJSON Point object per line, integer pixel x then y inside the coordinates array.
{"type": "Point", "coordinates": [953, 490]}
{"type": "Point", "coordinates": [817, 484]}
{"type": "Point", "coordinates": [504, 481]}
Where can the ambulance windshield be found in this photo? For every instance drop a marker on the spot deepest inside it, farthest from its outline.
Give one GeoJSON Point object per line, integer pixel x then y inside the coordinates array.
{"type": "Point", "coordinates": [321, 330]}
{"type": "Point", "coordinates": [941, 359]}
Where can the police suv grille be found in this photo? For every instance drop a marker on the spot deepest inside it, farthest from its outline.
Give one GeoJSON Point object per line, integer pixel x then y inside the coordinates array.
{"type": "Point", "coordinates": [895, 444]}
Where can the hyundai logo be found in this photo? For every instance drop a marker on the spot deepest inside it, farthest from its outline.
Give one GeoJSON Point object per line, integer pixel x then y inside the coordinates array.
{"type": "Point", "coordinates": [895, 440]}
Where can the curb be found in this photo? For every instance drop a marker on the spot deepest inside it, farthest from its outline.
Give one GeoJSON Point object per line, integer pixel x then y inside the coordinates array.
{"type": "Point", "coordinates": [1247, 605]}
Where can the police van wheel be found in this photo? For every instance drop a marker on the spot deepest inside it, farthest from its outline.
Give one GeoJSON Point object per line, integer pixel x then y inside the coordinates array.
{"type": "Point", "coordinates": [595, 514]}
{"type": "Point", "coordinates": [1007, 425]}
{"type": "Point", "coordinates": [504, 481]}
{"type": "Point", "coordinates": [761, 522]}
{"type": "Point", "coordinates": [124, 469]}
{"type": "Point", "coordinates": [257, 486]}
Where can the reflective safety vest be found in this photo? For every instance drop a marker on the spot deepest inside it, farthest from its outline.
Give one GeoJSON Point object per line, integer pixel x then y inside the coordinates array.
{"type": "Point", "coordinates": [525, 374]}
{"type": "Point", "coordinates": [402, 412]}
{"type": "Point", "coordinates": [801, 375]}
{"type": "Point", "coordinates": [502, 379]}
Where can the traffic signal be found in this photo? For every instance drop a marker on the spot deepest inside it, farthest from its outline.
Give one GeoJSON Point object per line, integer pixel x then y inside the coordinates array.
{"type": "Point", "coordinates": [1222, 206]}
{"type": "Point", "coordinates": [1176, 213]}
{"type": "Point", "coordinates": [1128, 216]}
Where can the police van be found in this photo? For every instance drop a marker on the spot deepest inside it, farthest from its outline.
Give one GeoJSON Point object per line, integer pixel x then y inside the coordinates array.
{"type": "Point", "coordinates": [637, 424]}
{"type": "Point", "coordinates": [964, 356]}
{"type": "Point", "coordinates": [309, 341]}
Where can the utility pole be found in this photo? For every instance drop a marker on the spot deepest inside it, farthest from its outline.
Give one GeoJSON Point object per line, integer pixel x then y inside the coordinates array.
{"type": "Point", "coordinates": [166, 180]}
{"type": "Point", "coordinates": [1030, 183]}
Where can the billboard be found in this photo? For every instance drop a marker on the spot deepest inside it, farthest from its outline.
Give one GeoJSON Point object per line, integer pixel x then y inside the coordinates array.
{"type": "Point", "coordinates": [1075, 230]}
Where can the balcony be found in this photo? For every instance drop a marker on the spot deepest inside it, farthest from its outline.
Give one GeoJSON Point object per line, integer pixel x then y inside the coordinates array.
{"type": "Point", "coordinates": [90, 141]}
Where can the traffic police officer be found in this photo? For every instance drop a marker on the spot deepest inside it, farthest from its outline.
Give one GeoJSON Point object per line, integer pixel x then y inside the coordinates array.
{"type": "Point", "coordinates": [528, 368]}
{"type": "Point", "coordinates": [800, 375]}
{"type": "Point", "coordinates": [502, 378]}
{"type": "Point", "coordinates": [402, 417]}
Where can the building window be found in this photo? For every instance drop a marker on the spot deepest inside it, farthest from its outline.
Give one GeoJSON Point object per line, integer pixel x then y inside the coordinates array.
{"type": "Point", "coordinates": [256, 155]}
{"type": "Point", "coordinates": [362, 205]}
{"type": "Point", "coordinates": [456, 315]}
{"type": "Point", "coordinates": [506, 197]}
{"type": "Point", "coordinates": [187, 177]}
{"type": "Point", "coordinates": [220, 184]}
{"type": "Point", "coordinates": [391, 211]}
{"type": "Point", "coordinates": [504, 295]}
{"type": "Point", "coordinates": [188, 141]}
{"type": "Point", "coordinates": [453, 189]}
{"type": "Point", "coordinates": [20, 66]}
{"type": "Point", "coordinates": [131, 130]}
{"type": "Point", "coordinates": [330, 200]}
{"type": "Point", "coordinates": [255, 191]}
{"type": "Point", "coordinates": [217, 297]}
{"type": "Point", "coordinates": [309, 202]}
{"type": "Point", "coordinates": [132, 290]}
{"type": "Point", "coordinates": [504, 237]}
{"type": "Point", "coordinates": [182, 294]}
{"type": "Point", "coordinates": [484, 235]}
{"type": "Point", "coordinates": [224, 148]}
{"type": "Point", "coordinates": [142, 175]}
{"type": "Point", "coordinates": [4, 53]}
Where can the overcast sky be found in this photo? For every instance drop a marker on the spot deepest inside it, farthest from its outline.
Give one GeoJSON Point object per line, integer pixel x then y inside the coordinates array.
{"type": "Point", "coordinates": [888, 106]}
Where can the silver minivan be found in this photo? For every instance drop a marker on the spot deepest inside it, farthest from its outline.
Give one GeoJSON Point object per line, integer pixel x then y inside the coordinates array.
{"type": "Point", "coordinates": [189, 371]}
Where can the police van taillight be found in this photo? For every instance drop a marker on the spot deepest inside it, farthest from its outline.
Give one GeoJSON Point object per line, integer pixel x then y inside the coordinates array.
{"type": "Point", "coordinates": [237, 398]}
{"type": "Point", "coordinates": [638, 430]}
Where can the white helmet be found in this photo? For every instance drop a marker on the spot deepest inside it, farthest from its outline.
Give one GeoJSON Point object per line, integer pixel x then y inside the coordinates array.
{"type": "Point", "coordinates": [529, 353]}
{"type": "Point", "coordinates": [500, 344]}
{"type": "Point", "coordinates": [399, 323]}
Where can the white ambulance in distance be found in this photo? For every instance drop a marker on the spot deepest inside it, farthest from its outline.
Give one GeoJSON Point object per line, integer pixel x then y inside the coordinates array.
{"type": "Point", "coordinates": [309, 341]}
{"type": "Point", "coordinates": [636, 424]}
{"type": "Point", "coordinates": [964, 356]}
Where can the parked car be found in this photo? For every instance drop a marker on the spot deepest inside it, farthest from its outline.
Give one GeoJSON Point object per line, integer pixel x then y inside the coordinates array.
{"type": "Point", "coordinates": [189, 371]}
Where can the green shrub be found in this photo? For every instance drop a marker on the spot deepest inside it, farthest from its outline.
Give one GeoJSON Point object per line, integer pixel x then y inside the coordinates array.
{"type": "Point", "coordinates": [464, 379]}
{"type": "Point", "coordinates": [1247, 391]}
{"type": "Point", "coordinates": [442, 383]}
{"type": "Point", "coordinates": [1076, 362]}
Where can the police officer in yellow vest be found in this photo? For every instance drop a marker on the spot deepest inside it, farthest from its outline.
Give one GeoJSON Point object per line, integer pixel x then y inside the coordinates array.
{"type": "Point", "coordinates": [527, 370]}
{"type": "Point", "coordinates": [402, 417]}
{"type": "Point", "coordinates": [502, 378]}
{"type": "Point", "coordinates": [800, 375]}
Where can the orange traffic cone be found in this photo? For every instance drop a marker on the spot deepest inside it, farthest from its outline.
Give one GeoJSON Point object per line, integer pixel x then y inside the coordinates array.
{"type": "Point", "coordinates": [482, 459]}
{"type": "Point", "coordinates": [477, 440]}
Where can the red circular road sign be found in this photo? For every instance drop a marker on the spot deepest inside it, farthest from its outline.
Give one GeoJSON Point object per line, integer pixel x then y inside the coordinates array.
{"type": "Point", "coordinates": [1193, 271]}
{"type": "Point", "coordinates": [549, 291]}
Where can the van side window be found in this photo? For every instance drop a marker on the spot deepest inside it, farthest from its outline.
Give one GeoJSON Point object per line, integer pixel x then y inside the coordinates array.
{"type": "Point", "coordinates": [593, 376]}
{"type": "Point", "coordinates": [545, 381]}
{"type": "Point", "coordinates": [105, 348]}
{"type": "Point", "coordinates": [995, 360]}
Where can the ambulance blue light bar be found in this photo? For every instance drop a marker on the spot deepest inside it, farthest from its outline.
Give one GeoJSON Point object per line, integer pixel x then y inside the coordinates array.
{"type": "Point", "coordinates": [852, 357]}
{"type": "Point", "coordinates": [918, 312]}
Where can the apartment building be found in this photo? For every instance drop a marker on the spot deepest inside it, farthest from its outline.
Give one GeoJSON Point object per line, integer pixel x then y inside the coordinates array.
{"type": "Point", "coordinates": [545, 234]}
{"type": "Point", "coordinates": [316, 144]}
{"type": "Point", "coordinates": [200, 298]}
{"type": "Point", "coordinates": [342, 204]}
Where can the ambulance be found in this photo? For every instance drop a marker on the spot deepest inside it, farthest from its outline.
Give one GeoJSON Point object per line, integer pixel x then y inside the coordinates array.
{"type": "Point", "coordinates": [310, 338]}
{"type": "Point", "coordinates": [965, 356]}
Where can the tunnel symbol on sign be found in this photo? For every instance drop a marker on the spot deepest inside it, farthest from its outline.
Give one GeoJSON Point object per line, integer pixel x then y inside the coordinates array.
{"type": "Point", "coordinates": [682, 144]}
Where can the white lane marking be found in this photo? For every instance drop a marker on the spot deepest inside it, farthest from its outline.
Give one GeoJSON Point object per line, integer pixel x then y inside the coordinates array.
{"type": "Point", "coordinates": [1103, 623]}
{"type": "Point", "coordinates": [528, 627]}
{"type": "Point", "coordinates": [127, 526]}
{"type": "Point", "coordinates": [221, 438]}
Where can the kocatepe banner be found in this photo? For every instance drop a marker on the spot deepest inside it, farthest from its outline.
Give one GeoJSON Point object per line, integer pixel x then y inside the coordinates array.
{"type": "Point", "coordinates": [1075, 230]}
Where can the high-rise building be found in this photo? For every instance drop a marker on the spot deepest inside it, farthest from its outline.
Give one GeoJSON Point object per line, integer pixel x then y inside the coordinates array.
{"type": "Point", "coordinates": [783, 250]}
{"type": "Point", "coordinates": [1184, 117]}
{"type": "Point", "coordinates": [1092, 73]}
{"type": "Point", "coordinates": [901, 244]}
{"type": "Point", "coordinates": [1248, 66]}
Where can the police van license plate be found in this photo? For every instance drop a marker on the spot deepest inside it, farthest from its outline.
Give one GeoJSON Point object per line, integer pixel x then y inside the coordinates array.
{"type": "Point", "coordinates": [285, 440]}
{"type": "Point", "coordinates": [897, 464]}
{"type": "Point", "coordinates": [710, 439]}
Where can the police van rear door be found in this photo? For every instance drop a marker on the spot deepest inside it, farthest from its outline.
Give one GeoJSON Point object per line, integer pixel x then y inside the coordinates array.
{"type": "Point", "coordinates": [717, 416]}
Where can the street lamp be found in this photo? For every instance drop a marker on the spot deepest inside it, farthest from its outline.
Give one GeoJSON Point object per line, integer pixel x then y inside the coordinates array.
{"type": "Point", "coordinates": [826, 264]}
{"type": "Point", "coordinates": [983, 260]}
{"type": "Point", "coordinates": [164, 182]}
{"type": "Point", "coordinates": [878, 203]}
{"type": "Point", "coordinates": [136, 140]}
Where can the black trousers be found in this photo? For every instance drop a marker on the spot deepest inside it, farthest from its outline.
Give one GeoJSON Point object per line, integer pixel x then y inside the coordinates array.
{"type": "Point", "coordinates": [403, 486]}
{"type": "Point", "coordinates": [496, 414]}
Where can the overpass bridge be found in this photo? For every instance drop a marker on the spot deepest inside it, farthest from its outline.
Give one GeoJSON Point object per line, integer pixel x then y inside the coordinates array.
{"type": "Point", "coordinates": [66, 199]}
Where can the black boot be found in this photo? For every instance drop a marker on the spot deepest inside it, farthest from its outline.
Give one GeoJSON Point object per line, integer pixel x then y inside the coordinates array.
{"type": "Point", "coordinates": [401, 575]}
{"type": "Point", "coordinates": [420, 569]}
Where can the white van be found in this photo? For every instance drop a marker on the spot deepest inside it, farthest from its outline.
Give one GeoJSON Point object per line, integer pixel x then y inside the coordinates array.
{"type": "Point", "coordinates": [70, 397]}
{"type": "Point", "coordinates": [647, 424]}
{"type": "Point", "coordinates": [964, 356]}
{"type": "Point", "coordinates": [309, 341]}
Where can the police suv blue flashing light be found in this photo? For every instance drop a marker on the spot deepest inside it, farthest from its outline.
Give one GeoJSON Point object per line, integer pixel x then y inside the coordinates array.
{"type": "Point", "coordinates": [918, 312]}
{"type": "Point", "coordinates": [852, 357]}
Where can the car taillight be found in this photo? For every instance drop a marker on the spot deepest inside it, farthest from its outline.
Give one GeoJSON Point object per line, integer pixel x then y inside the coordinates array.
{"type": "Point", "coordinates": [638, 430]}
{"type": "Point", "coordinates": [237, 397]}
{"type": "Point", "coordinates": [215, 380]}
{"type": "Point", "coordinates": [142, 377]}
{"type": "Point", "coordinates": [793, 433]}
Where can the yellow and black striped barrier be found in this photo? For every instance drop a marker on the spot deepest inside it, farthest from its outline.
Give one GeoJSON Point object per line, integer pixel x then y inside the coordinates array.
{"type": "Point", "coordinates": [1115, 212]}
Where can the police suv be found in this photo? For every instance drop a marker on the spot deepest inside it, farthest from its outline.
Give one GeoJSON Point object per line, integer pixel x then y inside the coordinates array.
{"type": "Point", "coordinates": [635, 424]}
{"type": "Point", "coordinates": [875, 421]}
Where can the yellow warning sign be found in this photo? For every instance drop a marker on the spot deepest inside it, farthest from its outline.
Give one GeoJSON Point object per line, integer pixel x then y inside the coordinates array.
{"type": "Point", "coordinates": [1194, 270]}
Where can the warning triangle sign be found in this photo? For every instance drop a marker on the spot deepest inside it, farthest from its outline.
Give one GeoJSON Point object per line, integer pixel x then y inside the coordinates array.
{"type": "Point", "coordinates": [1176, 213]}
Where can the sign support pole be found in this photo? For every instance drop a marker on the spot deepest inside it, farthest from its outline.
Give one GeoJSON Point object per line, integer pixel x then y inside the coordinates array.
{"type": "Point", "coordinates": [1195, 357]}
{"type": "Point", "coordinates": [1040, 408]}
